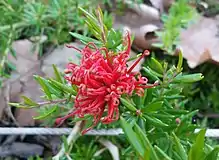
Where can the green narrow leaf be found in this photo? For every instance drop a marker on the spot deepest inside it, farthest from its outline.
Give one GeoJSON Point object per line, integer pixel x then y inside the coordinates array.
{"type": "Point", "coordinates": [85, 39]}
{"type": "Point", "coordinates": [174, 97]}
{"type": "Point", "coordinates": [146, 142]}
{"type": "Point", "coordinates": [151, 75]}
{"type": "Point", "coordinates": [179, 148]}
{"type": "Point", "coordinates": [188, 78]}
{"type": "Point", "coordinates": [127, 104]}
{"type": "Point", "coordinates": [56, 89]}
{"type": "Point", "coordinates": [154, 121]}
{"type": "Point", "coordinates": [132, 120]}
{"type": "Point", "coordinates": [87, 14]}
{"type": "Point", "coordinates": [157, 66]}
{"type": "Point", "coordinates": [132, 137]}
{"type": "Point", "coordinates": [180, 61]}
{"type": "Point", "coordinates": [213, 154]}
{"type": "Point", "coordinates": [147, 154]}
{"type": "Point", "coordinates": [13, 53]}
{"type": "Point", "coordinates": [138, 101]}
{"type": "Point", "coordinates": [154, 73]}
{"type": "Point", "coordinates": [188, 116]}
{"type": "Point", "coordinates": [177, 157]}
{"type": "Point", "coordinates": [142, 123]}
{"type": "Point", "coordinates": [64, 87]}
{"type": "Point", "coordinates": [17, 105]}
{"type": "Point", "coordinates": [152, 107]}
{"type": "Point", "coordinates": [144, 97]}
{"type": "Point", "coordinates": [127, 150]}
{"type": "Point", "coordinates": [65, 143]}
{"type": "Point", "coordinates": [101, 20]}
{"type": "Point", "coordinates": [176, 111]}
{"type": "Point", "coordinates": [57, 74]}
{"type": "Point", "coordinates": [140, 135]}
{"type": "Point", "coordinates": [44, 86]}
{"type": "Point", "coordinates": [167, 104]}
{"type": "Point", "coordinates": [11, 65]}
{"type": "Point", "coordinates": [175, 90]}
{"type": "Point", "coordinates": [165, 156]}
{"type": "Point", "coordinates": [158, 45]}
{"type": "Point", "coordinates": [94, 28]}
{"type": "Point", "coordinates": [196, 152]}
{"type": "Point", "coordinates": [149, 96]}
{"type": "Point", "coordinates": [47, 113]}
{"type": "Point", "coordinates": [28, 101]}
{"type": "Point", "coordinates": [163, 115]}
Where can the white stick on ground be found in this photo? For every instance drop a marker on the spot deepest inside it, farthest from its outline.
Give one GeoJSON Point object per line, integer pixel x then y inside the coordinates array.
{"type": "Point", "coordinates": [73, 136]}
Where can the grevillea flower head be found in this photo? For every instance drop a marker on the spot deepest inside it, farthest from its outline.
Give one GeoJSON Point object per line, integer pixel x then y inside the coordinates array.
{"type": "Point", "coordinates": [102, 77]}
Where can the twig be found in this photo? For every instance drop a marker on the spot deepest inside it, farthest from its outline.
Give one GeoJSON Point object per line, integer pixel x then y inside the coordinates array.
{"type": "Point", "coordinates": [52, 102]}
{"type": "Point", "coordinates": [40, 104]}
{"type": "Point", "coordinates": [7, 108]}
{"type": "Point", "coordinates": [208, 115]}
{"type": "Point", "coordinates": [71, 139]}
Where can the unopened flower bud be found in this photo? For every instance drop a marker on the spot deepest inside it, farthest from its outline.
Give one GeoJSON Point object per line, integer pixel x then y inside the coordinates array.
{"type": "Point", "coordinates": [178, 120]}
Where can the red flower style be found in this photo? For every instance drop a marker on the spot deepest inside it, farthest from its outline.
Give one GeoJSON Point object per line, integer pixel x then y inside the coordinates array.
{"type": "Point", "coordinates": [101, 79]}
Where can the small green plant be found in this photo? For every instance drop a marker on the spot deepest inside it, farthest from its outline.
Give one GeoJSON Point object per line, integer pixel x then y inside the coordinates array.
{"type": "Point", "coordinates": [178, 18]}
{"type": "Point", "coordinates": [34, 19]}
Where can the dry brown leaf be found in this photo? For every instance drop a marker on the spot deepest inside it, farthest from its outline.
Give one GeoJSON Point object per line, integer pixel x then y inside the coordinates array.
{"type": "Point", "coordinates": [2, 104]}
{"type": "Point", "coordinates": [162, 5]}
{"type": "Point", "coordinates": [200, 43]}
{"type": "Point", "coordinates": [145, 36]}
{"type": "Point", "coordinates": [167, 4]}
{"type": "Point", "coordinates": [144, 11]}
{"type": "Point", "coordinates": [142, 20]}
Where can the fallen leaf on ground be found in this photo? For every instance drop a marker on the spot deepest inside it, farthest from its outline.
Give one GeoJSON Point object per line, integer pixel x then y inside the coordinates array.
{"type": "Point", "coordinates": [162, 5]}
{"type": "Point", "coordinates": [142, 20]}
{"type": "Point", "coordinates": [200, 42]}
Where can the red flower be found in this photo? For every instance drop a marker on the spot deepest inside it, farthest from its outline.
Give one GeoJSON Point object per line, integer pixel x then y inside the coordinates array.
{"type": "Point", "coordinates": [102, 78]}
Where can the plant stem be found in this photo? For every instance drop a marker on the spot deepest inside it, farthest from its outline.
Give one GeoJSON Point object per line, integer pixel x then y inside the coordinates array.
{"type": "Point", "coordinates": [52, 102]}
{"type": "Point", "coordinates": [5, 53]}
{"type": "Point", "coordinates": [74, 135]}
